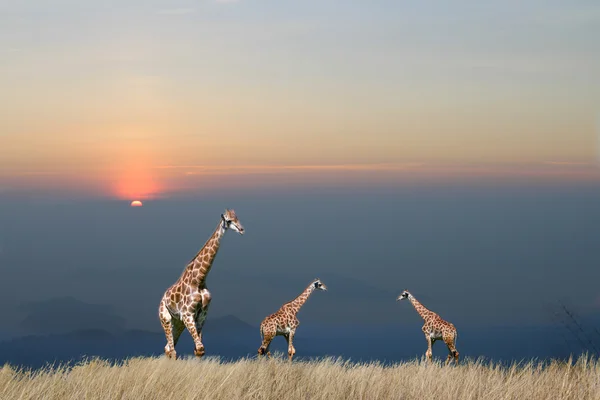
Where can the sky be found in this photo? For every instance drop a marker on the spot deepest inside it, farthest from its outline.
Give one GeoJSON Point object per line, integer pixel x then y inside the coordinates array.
{"type": "Point", "coordinates": [451, 149]}
{"type": "Point", "coordinates": [146, 99]}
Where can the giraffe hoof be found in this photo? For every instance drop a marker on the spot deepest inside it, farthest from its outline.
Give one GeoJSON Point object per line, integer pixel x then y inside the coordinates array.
{"type": "Point", "coordinates": [199, 352]}
{"type": "Point", "coordinates": [171, 354]}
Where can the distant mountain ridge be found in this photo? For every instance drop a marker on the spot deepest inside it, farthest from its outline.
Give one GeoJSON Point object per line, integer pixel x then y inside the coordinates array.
{"type": "Point", "coordinates": [66, 314]}
{"type": "Point", "coordinates": [231, 338]}
{"type": "Point", "coordinates": [227, 336]}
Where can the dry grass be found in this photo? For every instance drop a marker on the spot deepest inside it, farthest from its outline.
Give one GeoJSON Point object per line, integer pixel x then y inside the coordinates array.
{"type": "Point", "coordinates": [160, 378]}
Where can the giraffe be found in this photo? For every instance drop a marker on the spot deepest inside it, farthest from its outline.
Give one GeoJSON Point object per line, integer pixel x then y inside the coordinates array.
{"type": "Point", "coordinates": [284, 322]}
{"type": "Point", "coordinates": [185, 303]}
{"type": "Point", "coordinates": [435, 328]}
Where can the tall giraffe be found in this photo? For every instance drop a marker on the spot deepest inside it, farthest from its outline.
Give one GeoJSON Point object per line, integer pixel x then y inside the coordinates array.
{"type": "Point", "coordinates": [185, 303]}
{"type": "Point", "coordinates": [435, 328]}
{"type": "Point", "coordinates": [284, 322]}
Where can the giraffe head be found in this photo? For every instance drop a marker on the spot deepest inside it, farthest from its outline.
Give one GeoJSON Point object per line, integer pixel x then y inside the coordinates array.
{"type": "Point", "coordinates": [404, 295]}
{"type": "Point", "coordinates": [230, 220]}
{"type": "Point", "coordinates": [319, 285]}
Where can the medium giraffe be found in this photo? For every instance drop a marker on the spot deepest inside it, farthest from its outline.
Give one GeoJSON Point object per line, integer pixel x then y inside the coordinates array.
{"type": "Point", "coordinates": [435, 328]}
{"type": "Point", "coordinates": [284, 322]}
{"type": "Point", "coordinates": [185, 303]}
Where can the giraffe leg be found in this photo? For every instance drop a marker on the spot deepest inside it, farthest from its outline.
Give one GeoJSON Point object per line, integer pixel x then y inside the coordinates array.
{"type": "Point", "coordinates": [266, 343]}
{"type": "Point", "coordinates": [290, 338]}
{"type": "Point", "coordinates": [190, 324]}
{"type": "Point", "coordinates": [200, 319]}
{"type": "Point", "coordinates": [199, 323]}
{"type": "Point", "coordinates": [449, 340]}
{"type": "Point", "coordinates": [287, 339]}
{"type": "Point", "coordinates": [166, 321]}
{"type": "Point", "coordinates": [429, 352]}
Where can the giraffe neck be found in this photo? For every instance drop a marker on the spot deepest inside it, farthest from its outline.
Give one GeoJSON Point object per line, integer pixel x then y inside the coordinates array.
{"type": "Point", "coordinates": [299, 301]}
{"type": "Point", "coordinates": [200, 265]}
{"type": "Point", "coordinates": [421, 309]}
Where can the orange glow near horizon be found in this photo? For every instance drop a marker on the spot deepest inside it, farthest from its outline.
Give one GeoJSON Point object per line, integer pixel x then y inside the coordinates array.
{"type": "Point", "coordinates": [134, 177]}
{"type": "Point", "coordinates": [136, 184]}
{"type": "Point", "coordinates": [141, 180]}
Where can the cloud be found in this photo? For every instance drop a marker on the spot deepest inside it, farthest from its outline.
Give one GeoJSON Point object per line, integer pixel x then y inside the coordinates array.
{"type": "Point", "coordinates": [262, 169]}
{"type": "Point", "coordinates": [568, 163]}
{"type": "Point", "coordinates": [38, 173]}
{"type": "Point", "coordinates": [176, 11]}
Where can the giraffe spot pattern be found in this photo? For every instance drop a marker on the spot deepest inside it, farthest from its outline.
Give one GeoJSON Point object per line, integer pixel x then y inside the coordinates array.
{"type": "Point", "coordinates": [284, 323]}
{"type": "Point", "coordinates": [185, 303]}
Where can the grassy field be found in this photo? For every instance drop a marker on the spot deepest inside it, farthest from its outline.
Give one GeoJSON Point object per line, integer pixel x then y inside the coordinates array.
{"type": "Point", "coordinates": [210, 378]}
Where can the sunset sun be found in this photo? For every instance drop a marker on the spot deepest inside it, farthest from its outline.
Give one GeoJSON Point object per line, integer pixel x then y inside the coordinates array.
{"type": "Point", "coordinates": [136, 203]}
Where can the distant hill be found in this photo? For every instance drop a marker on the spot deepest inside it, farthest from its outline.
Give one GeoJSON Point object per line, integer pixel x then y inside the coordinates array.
{"type": "Point", "coordinates": [66, 329]}
{"type": "Point", "coordinates": [67, 314]}
{"type": "Point", "coordinates": [231, 338]}
{"type": "Point", "coordinates": [227, 336]}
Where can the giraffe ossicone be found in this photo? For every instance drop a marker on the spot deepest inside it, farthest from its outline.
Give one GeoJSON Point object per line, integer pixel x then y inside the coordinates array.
{"type": "Point", "coordinates": [284, 322]}
{"type": "Point", "coordinates": [435, 328]}
{"type": "Point", "coordinates": [185, 303]}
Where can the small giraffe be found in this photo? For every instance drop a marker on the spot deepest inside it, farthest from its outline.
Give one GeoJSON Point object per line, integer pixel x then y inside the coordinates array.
{"type": "Point", "coordinates": [435, 328]}
{"type": "Point", "coordinates": [185, 303]}
{"type": "Point", "coordinates": [284, 322]}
